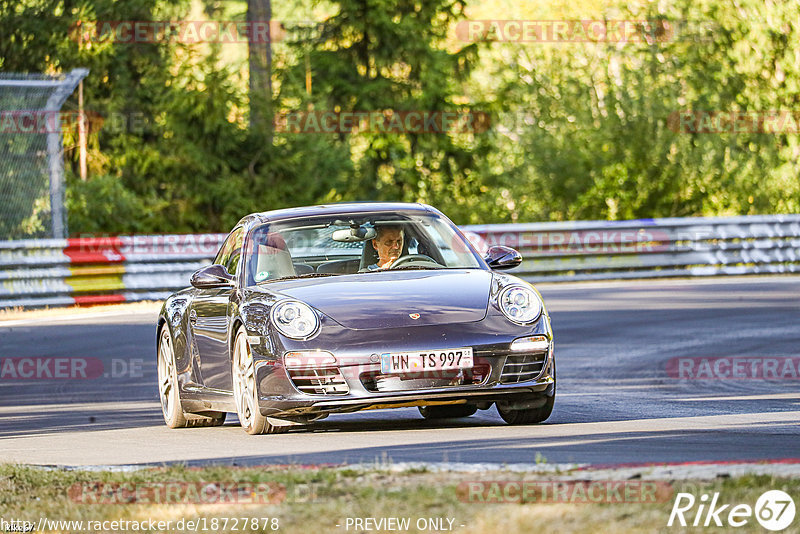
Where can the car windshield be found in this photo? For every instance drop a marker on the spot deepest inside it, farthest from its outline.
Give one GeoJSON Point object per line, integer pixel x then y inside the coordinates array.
{"type": "Point", "coordinates": [355, 244]}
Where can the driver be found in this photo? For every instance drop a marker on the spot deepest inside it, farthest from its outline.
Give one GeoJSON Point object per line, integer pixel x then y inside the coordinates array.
{"type": "Point", "coordinates": [388, 243]}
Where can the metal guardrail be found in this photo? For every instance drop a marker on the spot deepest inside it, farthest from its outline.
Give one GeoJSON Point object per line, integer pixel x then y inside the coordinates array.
{"type": "Point", "coordinates": [85, 271]}
{"type": "Point", "coordinates": [61, 272]}
{"type": "Point", "coordinates": [649, 248]}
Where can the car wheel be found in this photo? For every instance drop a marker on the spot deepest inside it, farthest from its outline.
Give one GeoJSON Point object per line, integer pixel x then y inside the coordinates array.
{"type": "Point", "coordinates": [539, 412]}
{"type": "Point", "coordinates": [526, 416]}
{"type": "Point", "coordinates": [169, 393]}
{"type": "Point", "coordinates": [244, 389]}
{"type": "Point", "coordinates": [168, 382]}
{"type": "Point", "coordinates": [448, 411]}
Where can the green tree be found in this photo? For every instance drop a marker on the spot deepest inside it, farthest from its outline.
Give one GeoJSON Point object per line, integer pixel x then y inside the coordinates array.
{"type": "Point", "coordinates": [591, 136]}
{"type": "Point", "coordinates": [388, 55]}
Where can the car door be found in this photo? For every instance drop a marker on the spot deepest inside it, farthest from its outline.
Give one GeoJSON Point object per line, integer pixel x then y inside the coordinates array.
{"type": "Point", "coordinates": [209, 318]}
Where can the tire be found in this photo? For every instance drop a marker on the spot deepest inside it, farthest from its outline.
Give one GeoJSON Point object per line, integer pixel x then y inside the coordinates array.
{"type": "Point", "coordinates": [530, 416]}
{"type": "Point", "coordinates": [168, 382]}
{"type": "Point", "coordinates": [169, 390]}
{"type": "Point", "coordinates": [245, 394]}
{"type": "Point", "coordinates": [527, 416]}
{"type": "Point", "coordinates": [448, 411]}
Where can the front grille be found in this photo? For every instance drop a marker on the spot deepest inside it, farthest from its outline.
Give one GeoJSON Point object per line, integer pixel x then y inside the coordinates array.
{"type": "Point", "coordinates": [376, 382]}
{"type": "Point", "coordinates": [319, 381]}
{"type": "Point", "coordinates": [523, 367]}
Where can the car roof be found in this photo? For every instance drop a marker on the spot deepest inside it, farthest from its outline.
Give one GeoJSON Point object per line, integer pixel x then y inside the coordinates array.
{"type": "Point", "coordinates": [343, 208]}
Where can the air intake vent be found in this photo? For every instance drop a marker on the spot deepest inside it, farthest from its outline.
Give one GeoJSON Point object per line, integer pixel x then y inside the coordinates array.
{"type": "Point", "coordinates": [523, 367]}
{"type": "Point", "coordinates": [319, 381]}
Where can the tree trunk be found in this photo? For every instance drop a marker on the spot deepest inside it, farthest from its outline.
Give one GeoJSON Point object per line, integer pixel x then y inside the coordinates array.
{"type": "Point", "coordinates": [259, 15]}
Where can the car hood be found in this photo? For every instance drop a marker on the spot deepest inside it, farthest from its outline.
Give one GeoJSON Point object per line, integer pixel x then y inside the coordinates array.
{"type": "Point", "coordinates": [392, 299]}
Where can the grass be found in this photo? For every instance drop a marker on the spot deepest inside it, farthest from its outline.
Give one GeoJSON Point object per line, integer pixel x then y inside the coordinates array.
{"type": "Point", "coordinates": [319, 499]}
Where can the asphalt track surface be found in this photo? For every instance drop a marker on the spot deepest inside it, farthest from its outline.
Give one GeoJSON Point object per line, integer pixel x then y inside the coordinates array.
{"type": "Point", "coordinates": [616, 401]}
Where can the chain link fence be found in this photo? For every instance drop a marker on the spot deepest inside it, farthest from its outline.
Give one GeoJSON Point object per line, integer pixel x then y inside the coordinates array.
{"type": "Point", "coordinates": [31, 153]}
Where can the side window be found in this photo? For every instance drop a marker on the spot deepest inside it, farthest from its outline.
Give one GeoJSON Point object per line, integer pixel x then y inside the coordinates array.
{"type": "Point", "coordinates": [231, 251]}
{"type": "Point", "coordinates": [224, 251]}
{"type": "Point", "coordinates": [232, 263]}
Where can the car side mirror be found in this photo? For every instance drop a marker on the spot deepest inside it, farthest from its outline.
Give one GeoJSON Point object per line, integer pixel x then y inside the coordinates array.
{"type": "Point", "coordinates": [211, 276]}
{"type": "Point", "coordinates": [499, 257]}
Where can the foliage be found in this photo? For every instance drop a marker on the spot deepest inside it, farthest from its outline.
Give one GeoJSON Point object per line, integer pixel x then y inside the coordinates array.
{"type": "Point", "coordinates": [391, 56]}
{"type": "Point", "coordinates": [590, 134]}
{"type": "Point", "coordinates": [580, 130]}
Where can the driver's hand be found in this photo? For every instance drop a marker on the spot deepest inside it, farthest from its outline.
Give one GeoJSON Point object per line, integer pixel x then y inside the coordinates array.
{"type": "Point", "coordinates": [388, 263]}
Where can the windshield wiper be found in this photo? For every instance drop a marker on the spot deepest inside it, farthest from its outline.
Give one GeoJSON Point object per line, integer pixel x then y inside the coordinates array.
{"type": "Point", "coordinates": [405, 268]}
{"type": "Point", "coordinates": [296, 276]}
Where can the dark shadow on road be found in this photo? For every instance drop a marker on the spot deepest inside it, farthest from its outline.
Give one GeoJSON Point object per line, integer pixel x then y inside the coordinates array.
{"type": "Point", "coordinates": [606, 448]}
{"type": "Point", "coordinates": [85, 419]}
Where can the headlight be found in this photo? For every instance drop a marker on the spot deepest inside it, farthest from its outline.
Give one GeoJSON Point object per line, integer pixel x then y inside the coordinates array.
{"type": "Point", "coordinates": [294, 319]}
{"type": "Point", "coordinates": [520, 304]}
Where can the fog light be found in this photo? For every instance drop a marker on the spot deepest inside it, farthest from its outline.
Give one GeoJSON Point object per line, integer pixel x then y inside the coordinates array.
{"type": "Point", "coordinates": [531, 344]}
{"type": "Point", "coordinates": [306, 359]}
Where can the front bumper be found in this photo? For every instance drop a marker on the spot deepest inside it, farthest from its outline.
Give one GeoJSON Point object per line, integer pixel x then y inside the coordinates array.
{"type": "Point", "coordinates": [485, 395]}
{"type": "Point", "coordinates": [497, 378]}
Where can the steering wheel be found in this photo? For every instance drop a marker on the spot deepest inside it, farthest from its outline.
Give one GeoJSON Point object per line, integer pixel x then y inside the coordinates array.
{"type": "Point", "coordinates": [402, 260]}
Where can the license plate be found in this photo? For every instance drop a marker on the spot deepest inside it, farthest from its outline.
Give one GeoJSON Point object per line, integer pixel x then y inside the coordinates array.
{"type": "Point", "coordinates": [427, 360]}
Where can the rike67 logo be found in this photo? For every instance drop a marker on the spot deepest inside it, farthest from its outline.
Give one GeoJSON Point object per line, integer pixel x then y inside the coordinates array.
{"type": "Point", "coordinates": [774, 510]}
